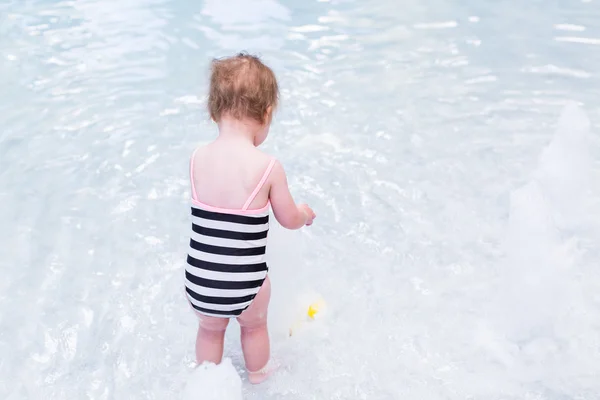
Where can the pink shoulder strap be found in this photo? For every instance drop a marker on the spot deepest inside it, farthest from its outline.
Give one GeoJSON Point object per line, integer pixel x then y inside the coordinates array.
{"type": "Point", "coordinates": [260, 185]}
{"type": "Point", "coordinates": [192, 175]}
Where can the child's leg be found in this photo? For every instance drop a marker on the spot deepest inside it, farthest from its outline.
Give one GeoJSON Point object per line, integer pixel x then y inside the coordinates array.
{"type": "Point", "coordinates": [255, 336]}
{"type": "Point", "coordinates": [210, 339]}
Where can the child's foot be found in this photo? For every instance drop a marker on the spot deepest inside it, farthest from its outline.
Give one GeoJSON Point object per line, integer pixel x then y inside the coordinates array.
{"type": "Point", "coordinates": [263, 374]}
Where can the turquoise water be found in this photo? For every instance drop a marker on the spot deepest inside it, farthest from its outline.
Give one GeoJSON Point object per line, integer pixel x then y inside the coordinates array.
{"type": "Point", "coordinates": [456, 256]}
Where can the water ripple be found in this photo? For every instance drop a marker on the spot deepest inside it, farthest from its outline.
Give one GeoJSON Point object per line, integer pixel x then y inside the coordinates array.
{"type": "Point", "coordinates": [406, 128]}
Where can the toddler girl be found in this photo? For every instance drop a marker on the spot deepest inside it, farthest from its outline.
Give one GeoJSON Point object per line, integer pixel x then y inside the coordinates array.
{"type": "Point", "coordinates": [233, 185]}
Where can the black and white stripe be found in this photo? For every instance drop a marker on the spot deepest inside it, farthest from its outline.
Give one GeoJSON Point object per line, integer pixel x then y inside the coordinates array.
{"type": "Point", "coordinates": [226, 261]}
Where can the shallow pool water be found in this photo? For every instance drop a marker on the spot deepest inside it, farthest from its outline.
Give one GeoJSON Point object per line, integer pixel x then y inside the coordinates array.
{"type": "Point", "coordinates": [456, 245]}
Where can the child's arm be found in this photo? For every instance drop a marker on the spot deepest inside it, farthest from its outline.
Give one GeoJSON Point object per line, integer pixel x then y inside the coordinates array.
{"type": "Point", "coordinates": [286, 211]}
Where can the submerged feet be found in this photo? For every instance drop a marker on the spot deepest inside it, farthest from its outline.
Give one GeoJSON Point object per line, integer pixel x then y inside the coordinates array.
{"type": "Point", "coordinates": [256, 377]}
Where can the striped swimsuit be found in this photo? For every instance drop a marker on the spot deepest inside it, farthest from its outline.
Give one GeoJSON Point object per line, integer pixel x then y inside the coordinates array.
{"type": "Point", "coordinates": [226, 262]}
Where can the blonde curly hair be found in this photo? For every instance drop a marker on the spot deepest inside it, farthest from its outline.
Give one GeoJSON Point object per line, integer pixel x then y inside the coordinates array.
{"type": "Point", "coordinates": [243, 87]}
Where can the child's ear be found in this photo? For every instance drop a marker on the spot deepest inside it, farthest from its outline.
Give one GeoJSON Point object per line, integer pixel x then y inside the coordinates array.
{"type": "Point", "coordinates": [268, 114]}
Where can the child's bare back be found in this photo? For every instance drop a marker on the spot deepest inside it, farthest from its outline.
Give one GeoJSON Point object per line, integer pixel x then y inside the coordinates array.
{"type": "Point", "coordinates": [226, 174]}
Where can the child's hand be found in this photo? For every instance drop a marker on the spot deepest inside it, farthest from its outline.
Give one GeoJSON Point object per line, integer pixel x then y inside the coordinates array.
{"type": "Point", "coordinates": [309, 214]}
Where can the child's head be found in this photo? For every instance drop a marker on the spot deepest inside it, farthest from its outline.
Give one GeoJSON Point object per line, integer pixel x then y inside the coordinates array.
{"type": "Point", "coordinates": [242, 87]}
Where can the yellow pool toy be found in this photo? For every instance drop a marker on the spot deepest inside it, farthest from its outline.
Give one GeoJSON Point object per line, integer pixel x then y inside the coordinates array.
{"type": "Point", "coordinates": [311, 313]}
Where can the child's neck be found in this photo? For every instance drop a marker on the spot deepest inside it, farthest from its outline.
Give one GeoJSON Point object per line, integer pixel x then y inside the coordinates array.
{"type": "Point", "coordinates": [236, 129]}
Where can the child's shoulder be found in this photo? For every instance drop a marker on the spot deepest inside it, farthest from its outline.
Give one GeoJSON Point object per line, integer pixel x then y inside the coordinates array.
{"type": "Point", "coordinates": [264, 154]}
{"type": "Point", "coordinates": [199, 149]}
{"type": "Point", "coordinates": [254, 156]}
{"type": "Point", "coordinates": [266, 157]}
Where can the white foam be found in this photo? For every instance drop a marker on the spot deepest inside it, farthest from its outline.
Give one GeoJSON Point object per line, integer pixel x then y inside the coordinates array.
{"type": "Point", "coordinates": [565, 164]}
{"type": "Point", "coordinates": [214, 382]}
{"type": "Point", "coordinates": [539, 258]}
